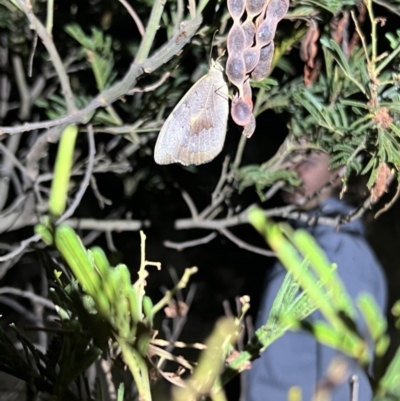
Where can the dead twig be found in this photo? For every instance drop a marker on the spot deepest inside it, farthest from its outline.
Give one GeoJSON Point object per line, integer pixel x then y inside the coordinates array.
{"type": "Point", "coordinates": [134, 16]}
{"type": "Point", "coordinates": [179, 246]}
{"type": "Point", "coordinates": [108, 96]}
{"type": "Point", "coordinates": [244, 245]}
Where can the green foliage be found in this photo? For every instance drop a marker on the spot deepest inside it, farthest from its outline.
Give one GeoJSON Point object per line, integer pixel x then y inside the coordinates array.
{"type": "Point", "coordinates": [56, 107]}
{"type": "Point", "coordinates": [98, 51]}
{"type": "Point", "coordinates": [262, 177]}
{"type": "Point", "coordinates": [350, 109]}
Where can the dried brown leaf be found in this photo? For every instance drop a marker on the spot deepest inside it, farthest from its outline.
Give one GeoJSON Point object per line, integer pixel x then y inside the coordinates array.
{"type": "Point", "coordinates": [383, 178]}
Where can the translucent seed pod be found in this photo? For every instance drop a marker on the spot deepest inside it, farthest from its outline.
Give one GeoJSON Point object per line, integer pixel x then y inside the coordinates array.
{"type": "Point", "coordinates": [251, 57]}
{"type": "Point", "coordinates": [235, 42]}
{"type": "Point", "coordinates": [249, 30]}
{"type": "Point", "coordinates": [235, 69]}
{"type": "Point", "coordinates": [266, 32]}
{"type": "Point", "coordinates": [254, 7]}
{"type": "Point", "coordinates": [264, 65]}
{"type": "Point", "coordinates": [250, 127]}
{"type": "Point", "coordinates": [241, 110]}
{"type": "Point", "coordinates": [236, 9]}
{"type": "Point", "coordinates": [277, 9]}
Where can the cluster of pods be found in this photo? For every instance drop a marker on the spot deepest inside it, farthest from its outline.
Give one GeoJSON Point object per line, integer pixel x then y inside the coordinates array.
{"type": "Point", "coordinates": [250, 51]}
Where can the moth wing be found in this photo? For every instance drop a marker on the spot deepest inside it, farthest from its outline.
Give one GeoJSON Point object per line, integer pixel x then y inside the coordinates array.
{"type": "Point", "coordinates": [194, 133]}
{"type": "Point", "coordinates": [168, 136]}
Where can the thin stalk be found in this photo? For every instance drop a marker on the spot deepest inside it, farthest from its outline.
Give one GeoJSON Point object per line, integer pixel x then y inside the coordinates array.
{"type": "Point", "coordinates": [151, 30]}
{"type": "Point", "coordinates": [53, 53]}
{"type": "Point", "coordinates": [362, 38]}
{"type": "Point", "coordinates": [201, 6]}
{"type": "Point", "coordinates": [387, 60]}
{"type": "Point", "coordinates": [50, 15]}
{"type": "Point", "coordinates": [373, 30]}
{"type": "Point", "coordinates": [239, 152]}
{"type": "Point", "coordinates": [138, 368]}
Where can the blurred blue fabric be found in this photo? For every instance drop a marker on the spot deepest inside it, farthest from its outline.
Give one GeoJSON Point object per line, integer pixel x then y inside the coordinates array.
{"type": "Point", "coordinates": [296, 359]}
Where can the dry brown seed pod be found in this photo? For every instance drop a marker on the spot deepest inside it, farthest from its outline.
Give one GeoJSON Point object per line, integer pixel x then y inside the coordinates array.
{"type": "Point", "coordinates": [250, 127]}
{"type": "Point", "coordinates": [241, 110]}
{"type": "Point", "coordinates": [309, 45]}
{"type": "Point", "coordinates": [251, 57]}
{"type": "Point", "coordinates": [235, 41]}
{"type": "Point", "coordinates": [249, 30]}
{"type": "Point", "coordinates": [254, 7]}
{"type": "Point", "coordinates": [264, 65]}
{"type": "Point", "coordinates": [277, 9]}
{"type": "Point", "coordinates": [235, 69]}
{"type": "Point", "coordinates": [236, 8]}
{"type": "Point", "coordinates": [266, 32]}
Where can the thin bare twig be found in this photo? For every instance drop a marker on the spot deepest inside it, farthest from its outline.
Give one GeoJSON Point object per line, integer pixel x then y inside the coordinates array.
{"type": "Point", "coordinates": [7, 265]}
{"type": "Point", "coordinates": [101, 199]}
{"type": "Point", "coordinates": [32, 54]}
{"type": "Point", "coordinates": [179, 323]}
{"type": "Point", "coordinates": [288, 212]}
{"type": "Point", "coordinates": [190, 204]}
{"type": "Point", "coordinates": [21, 247]}
{"type": "Point", "coordinates": [5, 86]}
{"type": "Point", "coordinates": [38, 310]}
{"type": "Point", "coordinates": [108, 96]}
{"type": "Point", "coordinates": [387, 5]}
{"type": "Point", "coordinates": [274, 189]}
{"type": "Point", "coordinates": [108, 225]}
{"type": "Point", "coordinates": [152, 87]}
{"type": "Point", "coordinates": [222, 178]}
{"type": "Point", "coordinates": [53, 53]}
{"type": "Point", "coordinates": [179, 286]}
{"type": "Point", "coordinates": [244, 245]}
{"type": "Point", "coordinates": [134, 16]}
{"type": "Point", "coordinates": [71, 209]}
{"type": "Point", "coordinates": [10, 155]}
{"type": "Point", "coordinates": [23, 89]}
{"type": "Point", "coordinates": [29, 295]}
{"type": "Point", "coordinates": [179, 246]}
{"type": "Point", "coordinates": [19, 308]}
{"type": "Point", "coordinates": [110, 243]}
{"type": "Point", "coordinates": [389, 204]}
{"type": "Point", "coordinates": [7, 167]}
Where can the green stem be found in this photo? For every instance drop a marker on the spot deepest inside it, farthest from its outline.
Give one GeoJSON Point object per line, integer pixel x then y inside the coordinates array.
{"type": "Point", "coordinates": [201, 6]}
{"type": "Point", "coordinates": [49, 18]}
{"type": "Point", "coordinates": [287, 43]}
{"type": "Point", "coordinates": [166, 299]}
{"type": "Point", "coordinates": [151, 30]}
{"type": "Point", "coordinates": [259, 100]}
{"type": "Point", "coordinates": [138, 368]}
{"type": "Point", "coordinates": [62, 171]}
{"type": "Point", "coordinates": [114, 115]}
{"type": "Point", "coordinates": [387, 60]}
